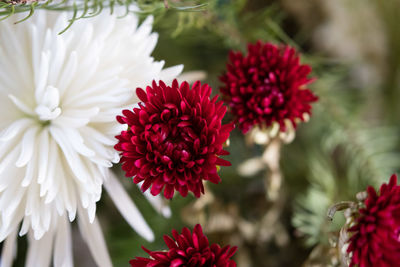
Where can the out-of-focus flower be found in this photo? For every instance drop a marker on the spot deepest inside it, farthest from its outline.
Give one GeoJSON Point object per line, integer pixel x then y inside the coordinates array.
{"type": "Point", "coordinates": [188, 249]}
{"type": "Point", "coordinates": [267, 88]}
{"type": "Point", "coordinates": [375, 240]}
{"type": "Point", "coordinates": [174, 138]}
{"type": "Point", "coordinates": [59, 95]}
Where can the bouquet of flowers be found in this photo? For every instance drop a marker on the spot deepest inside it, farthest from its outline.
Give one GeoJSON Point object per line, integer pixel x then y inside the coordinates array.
{"type": "Point", "coordinates": [213, 140]}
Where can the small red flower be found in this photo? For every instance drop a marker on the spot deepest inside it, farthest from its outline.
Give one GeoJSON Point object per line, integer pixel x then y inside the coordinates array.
{"type": "Point", "coordinates": [174, 138]}
{"type": "Point", "coordinates": [376, 235]}
{"type": "Point", "coordinates": [266, 86]}
{"type": "Point", "coordinates": [188, 250]}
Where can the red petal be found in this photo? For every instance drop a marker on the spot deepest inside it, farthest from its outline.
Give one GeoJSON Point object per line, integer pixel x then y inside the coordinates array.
{"type": "Point", "coordinates": [141, 94]}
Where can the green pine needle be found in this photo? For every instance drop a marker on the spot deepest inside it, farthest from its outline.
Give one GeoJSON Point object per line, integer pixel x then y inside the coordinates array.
{"type": "Point", "coordinates": [91, 8]}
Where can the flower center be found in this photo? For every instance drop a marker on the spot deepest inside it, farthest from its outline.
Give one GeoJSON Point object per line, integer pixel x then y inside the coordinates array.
{"type": "Point", "coordinates": [47, 105]}
{"type": "Point", "coordinates": [174, 142]}
{"type": "Point", "coordinates": [267, 97]}
{"type": "Point", "coordinates": [47, 108]}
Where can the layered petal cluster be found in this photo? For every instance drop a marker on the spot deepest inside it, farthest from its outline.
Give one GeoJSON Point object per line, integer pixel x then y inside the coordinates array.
{"type": "Point", "coordinates": [59, 95]}
{"type": "Point", "coordinates": [190, 250]}
{"type": "Point", "coordinates": [267, 88]}
{"type": "Point", "coordinates": [174, 138]}
{"type": "Point", "coordinates": [375, 240]}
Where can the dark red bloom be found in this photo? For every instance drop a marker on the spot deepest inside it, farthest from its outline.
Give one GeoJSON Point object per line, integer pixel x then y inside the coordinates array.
{"type": "Point", "coordinates": [188, 250]}
{"type": "Point", "coordinates": [174, 138]}
{"type": "Point", "coordinates": [266, 86]}
{"type": "Point", "coordinates": [376, 235]}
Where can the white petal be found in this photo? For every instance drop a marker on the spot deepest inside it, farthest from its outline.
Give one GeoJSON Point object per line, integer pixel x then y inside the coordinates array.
{"type": "Point", "coordinates": [158, 203]}
{"type": "Point", "coordinates": [72, 158]}
{"type": "Point", "coordinates": [98, 136]}
{"type": "Point", "coordinates": [9, 202]}
{"type": "Point", "coordinates": [145, 28]}
{"type": "Point", "coordinates": [57, 61]}
{"type": "Point", "coordinates": [93, 236]}
{"type": "Point", "coordinates": [39, 251]}
{"type": "Point", "coordinates": [20, 105]}
{"type": "Point", "coordinates": [127, 208]}
{"type": "Point", "coordinates": [63, 244]}
{"type": "Point", "coordinates": [43, 155]}
{"type": "Point", "coordinates": [47, 114]}
{"type": "Point", "coordinates": [51, 97]}
{"type": "Point", "coordinates": [251, 167]}
{"type": "Point", "coordinates": [28, 143]}
{"type": "Point", "coordinates": [72, 122]}
{"type": "Point", "coordinates": [25, 226]}
{"type": "Point", "coordinates": [68, 72]}
{"type": "Point", "coordinates": [170, 73]}
{"type": "Point", "coordinates": [6, 161]}
{"type": "Point", "coordinates": [9, 250]}
{"type": "Point", "coordinates": [41, 75]}
{"type": "Point", "coordinates": [192, 76]}
{"type": "Point", "coordinates": [14, 129]}
{"type": "Point", "coordinates": [50, 184]}
{"type": "Point", "coordinates": [29, 173]}
{"type": "Point", "coordinates": [77, 142]}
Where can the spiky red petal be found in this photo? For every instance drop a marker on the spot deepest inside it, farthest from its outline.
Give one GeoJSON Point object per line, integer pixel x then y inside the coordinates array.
{"type": "Point", "coordinates": [190, 250]}
{"type": "Point", "coordinates": [267, 85]}
{"type": "Point", "coordinates": [174, 138]}
{"type": "Point", "coordinates": [376, 235]}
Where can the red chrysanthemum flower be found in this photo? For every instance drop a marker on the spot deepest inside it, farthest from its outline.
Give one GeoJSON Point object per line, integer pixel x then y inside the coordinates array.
{"type": "Point", "coordinates": [376, 235]}
{"type": "Point", "coordinates": [174, 138]}
{"type": "Point", "coordinates": [267, 86]}
{"type": "Point", "coordinates": [189, 250]}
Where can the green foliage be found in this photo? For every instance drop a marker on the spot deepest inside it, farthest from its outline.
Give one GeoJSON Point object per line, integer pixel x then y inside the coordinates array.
{"type": "Point", "coordinates": [310, 209]}
{"type": "Point", "coordinates": [346, 155]}
{"type": "Point", "coordinates": [366, 154]}
{"type": "Point", "coordinates": [89, 8]}
{"type": "Point", "coordinates": [389, 12]}
{"type": "Point", "coordinates": [351, 160]}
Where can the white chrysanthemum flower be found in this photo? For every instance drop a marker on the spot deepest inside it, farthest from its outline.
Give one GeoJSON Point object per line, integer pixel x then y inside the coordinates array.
{"type": "Point", "coordinates": [59, 96]}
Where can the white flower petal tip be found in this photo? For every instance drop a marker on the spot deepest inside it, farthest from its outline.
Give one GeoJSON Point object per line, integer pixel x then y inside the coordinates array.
{"type": "Point", "coordinates": [251, 167]}
{"type": "Point", "coordinates": [306, 117]}
{"type": "Point", "coordinates": [60, 98]}
{"type": "Point", "coordinates": [127, 208]}
{"type": "Point", "coordinates": [158, 202]}
{"type": "Point", "coordinates": [192, 76]}
{"type": "Point", "coordinates": [9, 251]}
{"type": "Point", "coordinates": [166, 212]}
{"type": "Point", "coordinates": [263, 136]}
